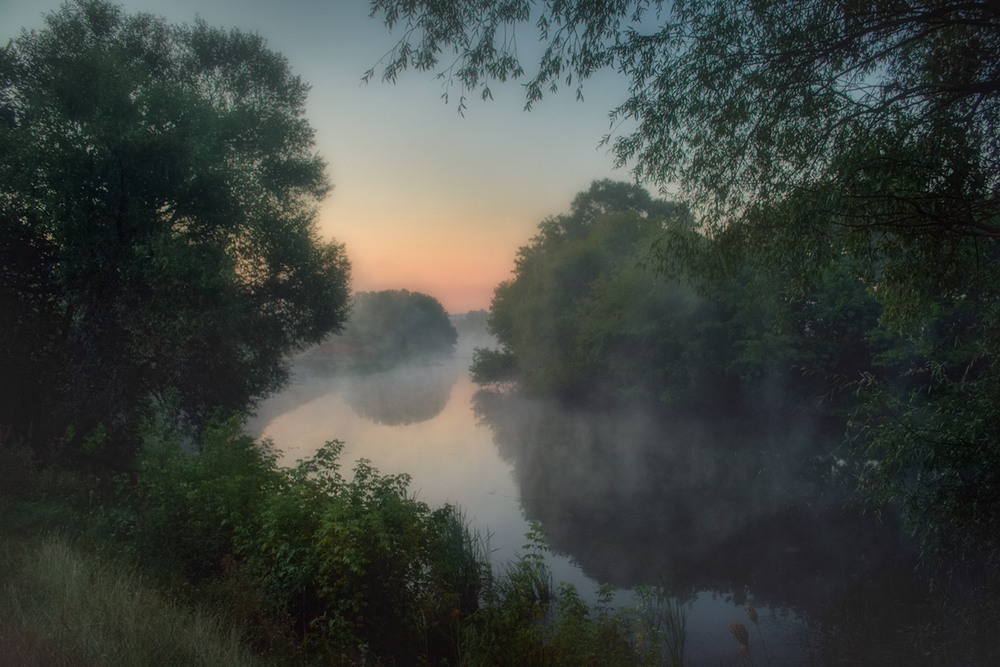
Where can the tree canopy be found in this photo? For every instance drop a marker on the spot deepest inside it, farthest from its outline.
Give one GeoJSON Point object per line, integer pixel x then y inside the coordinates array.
{"type": "Point", "coordinates": [585, 317]}
{"type": "Point", "coordinates": [737, 98]}
{"type": "Point", "coordinates": [805, 135]}
{"type": "Point", "coordinates": [157, 202]}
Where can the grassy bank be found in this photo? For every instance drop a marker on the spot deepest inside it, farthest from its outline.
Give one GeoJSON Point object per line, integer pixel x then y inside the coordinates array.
{"type": "Point", "coordinates": [215, 555]}
{"type": "Point", "coordinates": [63, 605]}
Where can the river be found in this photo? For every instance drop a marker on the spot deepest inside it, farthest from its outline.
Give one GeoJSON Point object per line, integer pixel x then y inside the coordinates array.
{"type": "Point", "coordinates": [720, 513]}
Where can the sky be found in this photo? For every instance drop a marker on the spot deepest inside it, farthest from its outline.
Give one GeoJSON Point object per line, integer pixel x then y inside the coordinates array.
{"type": "Point", "coordinates": [424, 199]}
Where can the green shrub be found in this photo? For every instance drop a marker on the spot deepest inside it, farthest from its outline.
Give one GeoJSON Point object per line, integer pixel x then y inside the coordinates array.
{"type": "Point", "coordinates": [340, 559]}
{"type": "Point", "coordinates": [191, 504]}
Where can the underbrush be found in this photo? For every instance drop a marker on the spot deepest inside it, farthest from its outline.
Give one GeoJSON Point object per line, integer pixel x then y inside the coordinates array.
{"type": "Point", "coordinates": [213, 554]}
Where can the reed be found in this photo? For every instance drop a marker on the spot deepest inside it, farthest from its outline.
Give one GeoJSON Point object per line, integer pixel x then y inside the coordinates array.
{"type": "Point", "coordinates": [752, 615]}
{"type": "Point", "coordinates": [742, 637]}
{"type": "Point", "coordinates": [665, 617]}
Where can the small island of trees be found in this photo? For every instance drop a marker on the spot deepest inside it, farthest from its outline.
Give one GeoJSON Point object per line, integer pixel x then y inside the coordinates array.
{"type": "Point", "coordinates": [390, 326]}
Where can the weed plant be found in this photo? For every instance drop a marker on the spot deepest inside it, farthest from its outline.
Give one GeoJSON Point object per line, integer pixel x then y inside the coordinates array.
{"type": "Point", "coordinates": [524, 619]}
{"type": "Point", "coordinates": [664, 618]}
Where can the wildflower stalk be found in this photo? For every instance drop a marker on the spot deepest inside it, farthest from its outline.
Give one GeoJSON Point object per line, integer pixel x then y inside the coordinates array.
{"type": "Point", "coordinates": [742, 637]}
{"type": "Point", "coordinates": [752, 615]}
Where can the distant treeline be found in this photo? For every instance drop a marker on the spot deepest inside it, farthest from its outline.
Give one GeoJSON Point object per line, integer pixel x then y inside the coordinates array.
{"type": "Point", "coordinates": [393, 325]}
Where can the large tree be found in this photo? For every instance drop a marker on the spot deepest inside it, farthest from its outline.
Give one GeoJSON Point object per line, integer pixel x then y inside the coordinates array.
{"type": "Point", "coordinates": [805, 133]}
{"type": "Point", "coordinates": [157, 202]}
{"type": "Point", "coordinates": [584, 316]}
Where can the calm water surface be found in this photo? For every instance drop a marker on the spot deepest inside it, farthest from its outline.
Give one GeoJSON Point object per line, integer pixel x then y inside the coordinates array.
{"type": "Point", "coordinates": [718, 512]}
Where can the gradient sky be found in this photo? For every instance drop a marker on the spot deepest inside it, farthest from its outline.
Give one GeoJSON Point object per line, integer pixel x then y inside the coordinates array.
{"type": "Point", "coordinates": [424, 199]}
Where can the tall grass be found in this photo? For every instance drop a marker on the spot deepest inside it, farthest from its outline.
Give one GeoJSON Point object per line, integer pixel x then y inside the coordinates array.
{"type": "Point", "coordinates": [61, 606]}
{"type": "Point", "coordinates": [664, 616]}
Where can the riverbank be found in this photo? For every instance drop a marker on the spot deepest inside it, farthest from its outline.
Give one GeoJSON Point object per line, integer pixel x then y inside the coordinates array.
{"type": "Point", "coordinates": [219, 557]}
{"type": "Point", "coordinates": [64, 605]}
{"type": "Point", "coordinates": [83, 582]}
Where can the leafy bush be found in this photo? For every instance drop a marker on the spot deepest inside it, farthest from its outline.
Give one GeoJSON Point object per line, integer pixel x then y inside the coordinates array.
{"type": "Point", "coordinates": [337, 559]}
{"type": "Point", "coordinates": [340, 559]}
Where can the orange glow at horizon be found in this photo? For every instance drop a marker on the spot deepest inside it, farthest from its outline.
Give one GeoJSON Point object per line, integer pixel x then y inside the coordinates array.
{"type": "Point", "coordinates": [455, 256]}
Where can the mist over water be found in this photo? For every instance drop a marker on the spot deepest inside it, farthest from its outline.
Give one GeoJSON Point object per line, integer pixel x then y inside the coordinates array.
{"type": "Point", "coordinates": [700, 505]}
{"type": "Point", "coordinates": [719, 511]}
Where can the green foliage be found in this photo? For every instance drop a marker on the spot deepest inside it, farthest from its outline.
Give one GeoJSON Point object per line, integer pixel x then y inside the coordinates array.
{"type": "Point", "coordinates": [493, 366]}
{"type": "Point", "coordinates": [930, 431]}
{"type": "Point", "coordinates": [665, 619]}
{"type": "Point", "coordinates": [743, 103]}
{"type": "Point", "coordinates": [157, 223]}
{"type": "Point", "coordinates": [396, 324]}
{"type": "Point", "coordinates": [525, 620]}
{"type": "Point", "coordinates": [651, 339]}
{"type": "Point", "coordinates": [585, 315]}
{"type": "Point", "coordinates": [803, 136]}
{"type": "Point", "coordinates": [192, 504]}
{"type": "Point", "coordinates": [342, 559]}
{"type": "Point", "coordinates": [537, 318]}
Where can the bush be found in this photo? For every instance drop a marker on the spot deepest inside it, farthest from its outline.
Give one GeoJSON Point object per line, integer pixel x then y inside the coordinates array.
{"type": "Point", "coordinates": [340, 559]}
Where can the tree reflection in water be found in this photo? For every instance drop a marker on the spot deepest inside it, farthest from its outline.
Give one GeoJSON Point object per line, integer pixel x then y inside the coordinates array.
{"type": "Point", "coordinates": [730, 507]}
{"type": "Point", "coordinates": [395, 398]}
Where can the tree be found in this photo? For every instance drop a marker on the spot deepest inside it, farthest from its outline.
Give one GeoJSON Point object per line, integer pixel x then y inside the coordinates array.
{"type": "Point", "coordinates": [157, 201]}
{"type": "Point", "coordinates": [586, 316]}
{"type": "Point", "coordinates": [743, 101]}
{"type": "Point", "coordinates": [578, 287]}
{"type": "Point", "coordinates": [806, 134]}
{"type": "Point", "coordinates": [398, 324]}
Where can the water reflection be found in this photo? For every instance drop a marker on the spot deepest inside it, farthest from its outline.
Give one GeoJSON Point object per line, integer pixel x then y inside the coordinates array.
{"type": "Point", "coordinates": [714, 510]}
{"type": "Point", "coordinates": [721, 506]}
{"type": "Point", "coordinates": [385, 394]}
{"type": "Point", "coordinates": [394, 398]}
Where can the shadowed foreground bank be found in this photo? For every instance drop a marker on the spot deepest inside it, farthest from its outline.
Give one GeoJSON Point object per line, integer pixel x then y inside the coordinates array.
{"type": "Point", "coordinates": [278, 565]}
{"type": "Point", "coordinates": [305, 566]}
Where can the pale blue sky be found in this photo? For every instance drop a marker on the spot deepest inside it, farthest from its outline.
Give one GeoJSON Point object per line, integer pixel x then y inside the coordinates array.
{"type": "Point", "coordinates": [425, 199]}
